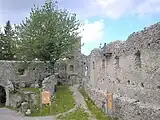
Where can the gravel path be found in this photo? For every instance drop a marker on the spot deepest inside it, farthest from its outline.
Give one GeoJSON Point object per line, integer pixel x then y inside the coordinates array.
{"type": "Point", "coordinates": [79, 99]}
{"type": "Point", "coordinates": [7, 114]}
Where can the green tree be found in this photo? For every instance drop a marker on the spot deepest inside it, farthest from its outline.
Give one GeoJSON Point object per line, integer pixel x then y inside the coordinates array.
{"type": "Point", "coordinates": [1, 45]}
{"type": "Point", "coordinates": [7, 42]}
{"type": "Point", "coordinates": [48, 34]}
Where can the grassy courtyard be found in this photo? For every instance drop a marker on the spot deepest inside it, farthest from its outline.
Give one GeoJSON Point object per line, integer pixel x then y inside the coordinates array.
{"type": "Point", "coordinates": [93, 108]}
{"type": "Point", "coordinates": [63, 102]}
{"type": "Point", "coordinates": [79, 114]}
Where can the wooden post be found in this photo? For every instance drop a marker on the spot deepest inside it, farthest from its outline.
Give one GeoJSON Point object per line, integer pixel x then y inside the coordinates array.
{"type": "Point", "coordinates": [41, 102]}
{"type": "Point", "coordinates": [55, 102]}
{"type": "Point", "coordinates": [51, 102]}
{"type": "Point", "coordinates": [51, 107]}
{"type": "Point", "coordinates": [107, 102]}
{"type": "Point", "coordinates": [30, 101]}
{"type": "Point", "coordinates": [112, 106]}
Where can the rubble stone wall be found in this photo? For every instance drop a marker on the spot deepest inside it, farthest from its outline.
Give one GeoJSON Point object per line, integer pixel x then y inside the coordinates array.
{"type": "Point", "coordinates": [21, 73]}
{"type": "Point", "coordinates": [131, 71]}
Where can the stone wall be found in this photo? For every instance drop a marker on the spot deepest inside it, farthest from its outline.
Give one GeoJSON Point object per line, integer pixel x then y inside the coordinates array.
{"type": "Point", "coordinates": [72, 68]}
{"type": "Point", "coordinates": [31, 74]}
{"type": "Point", "coordinates": [131, 70]}
{"type": "Point", "coordinates": [23, 72]}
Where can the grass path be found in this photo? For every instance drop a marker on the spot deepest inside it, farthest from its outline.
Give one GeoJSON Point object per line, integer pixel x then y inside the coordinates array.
{"type": "Point", "coordinates": [93, 108]}
{"type": "Point", "coordinates": [81, 111]}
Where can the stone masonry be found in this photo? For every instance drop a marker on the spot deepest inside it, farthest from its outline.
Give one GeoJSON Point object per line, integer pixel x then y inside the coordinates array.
{"type": "Point", "coordinates": [21, 74]}
{"type": "Point", "coordinates": [31, 73]}
{"type": "Point", "coordinates": [131, 71]}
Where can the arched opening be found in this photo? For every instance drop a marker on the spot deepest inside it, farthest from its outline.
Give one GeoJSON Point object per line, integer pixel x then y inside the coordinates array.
{"type": "Point", "coordinates": [2, 96]}
{"type": "Point", "coordinates": [71, 68]}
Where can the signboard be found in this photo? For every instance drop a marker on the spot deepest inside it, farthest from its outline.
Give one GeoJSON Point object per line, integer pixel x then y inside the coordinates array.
{"type": "Point", "coordinates": [110, 100]}
{"type": "Point", "coordinates": [109, 103]}
{"type": "Point", "coordinates": [45, 97]}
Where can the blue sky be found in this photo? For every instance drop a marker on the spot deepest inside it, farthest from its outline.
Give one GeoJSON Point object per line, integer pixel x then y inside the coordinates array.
{"type": "Point", "coordinates": [105, 20]}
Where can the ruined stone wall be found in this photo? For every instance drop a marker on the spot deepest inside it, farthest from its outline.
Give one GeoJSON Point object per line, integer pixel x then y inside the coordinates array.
{"type": "Point", "coordinates": [23, 72]}
{"type": "Point", "coordinates": [76, 65]}
{"type": "Point", "coordinates": [131, 70]}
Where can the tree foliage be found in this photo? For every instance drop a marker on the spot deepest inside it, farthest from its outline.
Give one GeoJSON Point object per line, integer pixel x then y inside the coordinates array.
{"type": "Point", "coordinates": [7, 42]}
{"type": "Point", "coordinates": [48, 34]}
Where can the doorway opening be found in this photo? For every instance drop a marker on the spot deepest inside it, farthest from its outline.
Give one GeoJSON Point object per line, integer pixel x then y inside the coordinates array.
{"type": "Point", "coordinates": [2, 96]}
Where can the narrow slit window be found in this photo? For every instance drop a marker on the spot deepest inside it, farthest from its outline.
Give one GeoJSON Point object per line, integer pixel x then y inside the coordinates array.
{"type": "Point", "coordinates": [138, 59]}
{"type": "Point", "coordinates": [142, 85]}
{"type": "Point", "coordinates": [93, 65]}
{"type": "Point", "coordinates": [103, 64]}
{"type": "Point", "coordinates": [117, 61]}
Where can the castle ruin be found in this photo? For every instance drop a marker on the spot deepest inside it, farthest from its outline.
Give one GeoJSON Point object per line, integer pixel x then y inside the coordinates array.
{"type": "Point", "coordinates": [131, 71]}
{"type": "Point", "coordinates": [21, 74]}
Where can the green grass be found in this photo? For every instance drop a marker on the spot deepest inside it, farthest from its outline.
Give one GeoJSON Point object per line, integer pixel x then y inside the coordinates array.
{"type": "Point", "coordinates": [36, 90]}
{"type": "Point", "coordinates": [93, 108]}
{"type": "Point", "coordinates": [1, 106]}
{"type": "Point", "coordinates": [62, 103]}
{"type": "Point", "coordinates": [79, 114]}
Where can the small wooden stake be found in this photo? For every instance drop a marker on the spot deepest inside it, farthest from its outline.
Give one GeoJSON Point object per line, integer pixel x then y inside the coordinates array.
{"type": "Point", "coordinates": [51, 107]}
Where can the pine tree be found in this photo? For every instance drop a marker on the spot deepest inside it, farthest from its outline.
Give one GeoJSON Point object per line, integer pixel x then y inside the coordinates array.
{"type": "Point", "coordinates": [7, 42]}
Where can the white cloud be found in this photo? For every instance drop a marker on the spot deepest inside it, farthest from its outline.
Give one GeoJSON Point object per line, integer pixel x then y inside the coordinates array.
{"type": "Point", "coordinates": [92, 31]}
{"type": "Point", "coordinates": [115, 8]}
{"type": "Point", "coordinates": [92, 35]}
{"type": "Point", "coordinates": [118, 8]}
{"type": "Point", "coordinates": [149, 6]}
